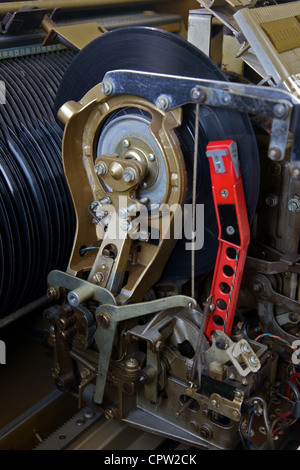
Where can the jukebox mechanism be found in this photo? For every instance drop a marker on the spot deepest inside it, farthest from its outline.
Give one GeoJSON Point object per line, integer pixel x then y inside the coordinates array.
{"type": "Point", "coordinates": [178, 312]}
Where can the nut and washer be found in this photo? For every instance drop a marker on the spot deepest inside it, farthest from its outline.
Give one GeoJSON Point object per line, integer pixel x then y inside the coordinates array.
{"type": "Point", "coordinates": [101, 168]}
{"type": "Point", "coordinates": [129, 175]}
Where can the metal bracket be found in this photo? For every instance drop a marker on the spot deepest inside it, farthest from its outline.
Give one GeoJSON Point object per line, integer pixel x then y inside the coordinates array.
{"type": "Point", "coordinates": [169, 91]}
{"type": "Point", "coordinates": [108, 317]}
{"type": "Point", "coordinates": [79, 290]}
{"type": "Point", "coordinates": [74, 36]}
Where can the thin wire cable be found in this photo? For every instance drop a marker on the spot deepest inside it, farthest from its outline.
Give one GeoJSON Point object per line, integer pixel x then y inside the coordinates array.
{"type": "Point", "coordinates": [194, 199]}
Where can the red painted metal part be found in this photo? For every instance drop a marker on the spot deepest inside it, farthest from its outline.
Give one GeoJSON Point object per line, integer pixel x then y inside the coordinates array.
{"type": "Point", "coordinates": [234, 234]}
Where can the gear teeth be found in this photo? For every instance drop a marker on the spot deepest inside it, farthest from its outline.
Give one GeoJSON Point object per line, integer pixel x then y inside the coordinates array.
{"type": "Point", "coordinates": [70, 430]}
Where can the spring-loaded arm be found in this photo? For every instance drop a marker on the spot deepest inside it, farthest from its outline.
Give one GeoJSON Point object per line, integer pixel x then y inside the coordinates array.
{"type": "Point", "coordinates": [234, 233]}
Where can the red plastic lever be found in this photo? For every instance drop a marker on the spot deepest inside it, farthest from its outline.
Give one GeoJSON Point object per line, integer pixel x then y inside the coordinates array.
{"type": "Point", "coordinates": [234, 234]}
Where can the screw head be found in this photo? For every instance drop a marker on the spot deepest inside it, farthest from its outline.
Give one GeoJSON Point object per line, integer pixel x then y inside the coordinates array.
{"type": "Point", "coordinates": [280, 110]}
{"type": "Point", "coordinates": [163, 102]}
{"type": "Point", "coordinates": [103, 321]}
{"type": "Point", "coordinates": [98, 278]}
{"type": "Point", "coordinates": [230, 230]}
{"type": "Point", "coordinates": [197, 94]}
{"type": "Point", "coordinates": [126, 143]}
{"type": "Point", "coordinates": [271, 200]}
{"type": "Point", "coordinates": [106, 88]}
{"type": "Point", "coordinates": [254, 360]}
{"type": "Point", "coordinates": [295, 172]}
{"type": "Point", "coordinates": [246, 348]}
{"type": "Point", "coordinates": [225, 98]}
{"type": "Point", "coordinates": [257, 287]}
{"type": "Point", "coordinates": [274, 153]}
{"type": "Point", "coordinates": [151, 157]}
{"type": "Point", "coordinates": [224, 193]}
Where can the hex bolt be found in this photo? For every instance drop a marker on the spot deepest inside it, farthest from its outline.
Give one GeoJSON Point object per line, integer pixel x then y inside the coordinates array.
{"type": "Point", "coordinates": [131, 364]}
{"type": "Point", "coordinates": [163, 102]}
{"type": "Point", "coordinates": [111, 413]}
{"type": "Point", "coordinates": [129, 175]}
{"type": "Point", "coordinates": [101, 168]}
{"type": "Point", "coordinates": [294, 205]}
{"type": "Point", "coordinates": [52, 293]}
{"type": "Point", "coordinates": [106, 87]}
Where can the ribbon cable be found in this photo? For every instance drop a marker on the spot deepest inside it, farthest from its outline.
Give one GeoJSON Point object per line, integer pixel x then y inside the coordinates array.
{"type": "Point", "coordinates": [234, 234]}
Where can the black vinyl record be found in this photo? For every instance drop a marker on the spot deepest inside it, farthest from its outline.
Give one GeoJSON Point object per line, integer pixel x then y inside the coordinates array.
{"type": "Point", "coordinates": [153, 50]}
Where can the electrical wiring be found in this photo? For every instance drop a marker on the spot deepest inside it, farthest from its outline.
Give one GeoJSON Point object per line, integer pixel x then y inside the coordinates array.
{"type": "Point", "coordinates": [84, 249]}
{"type": "Point", "coordinates": [255, 401]}
{"type": "Point", "coordinates": [258, 338]}
{"type": "Point", "coordinates": [93, 214]}
{"type": "Point", "coordinates": [282, 427]}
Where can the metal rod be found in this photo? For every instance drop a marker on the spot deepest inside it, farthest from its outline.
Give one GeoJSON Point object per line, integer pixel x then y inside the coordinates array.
{"type": "Point", "coordinates": [92, 367]}
{"type": "Point", "coordinates": [11, 7]}
{"type": "Point", "coordinates": [199, 341]}
{"type": "Point", "coordinates": [36, 304]}
{"type": "Point", "coordinates": [194, 200]}
{"type": "Point", "coordinates": [183, 408]}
